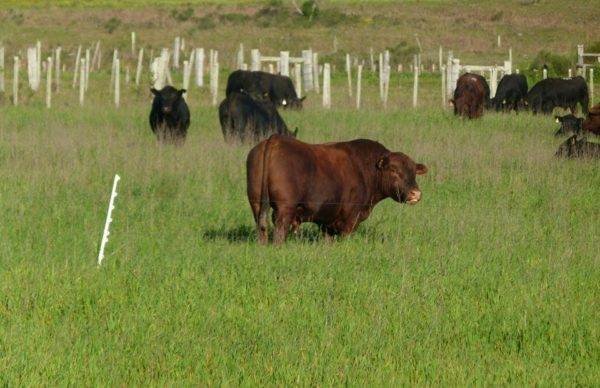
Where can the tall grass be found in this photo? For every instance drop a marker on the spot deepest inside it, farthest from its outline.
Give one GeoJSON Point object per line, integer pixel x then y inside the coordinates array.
{"type": "Point", "coordinates": [493, 278]}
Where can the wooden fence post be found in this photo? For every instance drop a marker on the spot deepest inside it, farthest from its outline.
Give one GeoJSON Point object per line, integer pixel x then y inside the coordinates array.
{"type": "Point", "coordinates": [138, 70]}
{"type": "Point", "coordinates": [284, 63]}
{"type": "Point", "coordinates": [326, 86]}
{"type": "Point", "coordinates": [349, 74]}
{"type": "Point", "coordinates": [16, 82]}
{"type": "Point", "coordinates": [49, 83]}
{"type": "Point", "coordinates": [358, 85]}
{"type": "Point", "coordinates": [117, 82]}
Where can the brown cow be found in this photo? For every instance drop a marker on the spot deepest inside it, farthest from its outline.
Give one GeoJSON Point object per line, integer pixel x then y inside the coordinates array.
{"type": "Point", "coordinates": [335, 185]}
{"type": "Point", "coordinates": [470, 96]}
{"type": "Point", "coordinates": [592, 122]}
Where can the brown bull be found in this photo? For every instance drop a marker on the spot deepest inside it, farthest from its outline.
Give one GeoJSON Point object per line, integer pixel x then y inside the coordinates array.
{"type": "Point", "coordinates": [335, 185]}
{"type": "Point", "coordinates": [470, 96]}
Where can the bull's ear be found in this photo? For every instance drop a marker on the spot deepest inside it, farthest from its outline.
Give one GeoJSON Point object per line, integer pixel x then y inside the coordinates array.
{"type": "Point", "coordinates": [421, 169]}
{"type": "Point", "coordinates": [383, 162]}
{"type": "Point", "coordinates": [154, 91]}
{"type": "Point", "coordinates": [181, 91]}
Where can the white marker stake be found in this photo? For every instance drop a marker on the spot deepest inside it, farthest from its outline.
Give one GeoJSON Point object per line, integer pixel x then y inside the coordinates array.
{"type": "Point", "coordinates": [111, 206]}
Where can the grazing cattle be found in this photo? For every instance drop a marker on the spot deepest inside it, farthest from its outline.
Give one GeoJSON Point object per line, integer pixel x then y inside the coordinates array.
{"type": "Point", "coordinates": [245, 118]}
{"type": "Point", "coordinates": [568, 124]}
{"type": "Point", "coordinates": [170, 116]}
{"type": "Point", "coordinates": [510, 93]}
{"type": "Point", "coordinates": [551, 93]}
{"type": "Point", "coordinates": [335, 185]}
{"type": "Point", "coordinates": [279, 88]}
{"type": "Point", "coordinates": [470, 96]}
{"type": "Point", "coordinates": [579, 126]}
{"type": "Point", "coordinates": [578, 148]}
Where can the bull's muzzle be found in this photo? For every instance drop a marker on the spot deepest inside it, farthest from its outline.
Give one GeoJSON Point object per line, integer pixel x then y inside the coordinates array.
{"type": "Point", "coordinates": [413, 197]}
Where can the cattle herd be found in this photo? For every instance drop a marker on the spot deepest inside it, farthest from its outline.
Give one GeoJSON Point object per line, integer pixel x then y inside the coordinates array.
{"type": "Point", "coordinates": [336, 185]}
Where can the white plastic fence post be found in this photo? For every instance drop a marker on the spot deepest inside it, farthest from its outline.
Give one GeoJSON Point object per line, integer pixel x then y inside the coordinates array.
{"type": "Point", "coordinates": [57, 53]}
{"type": "Point", "coordinates": [284, 63]}
{"type": "Point", "coordinates": [315, 63]}
{"type": "Point", "coordinates": [443, 73]}
{"type": "Point", "coordinates": [186, 77]}
{"type": "Point", "coordinates": [416, 83]}
{"type": "Point", "coordinates": [49, 83]}
{"type": "Point", "coordinates": [106, 232]}
{"type": "Point", "coordinates": [200, 67]}
{"type": "Point", "coordinates": [138, 71]}
{"type": "Point", "coordinates": [117, 82]}
{"type": "Point", "coordinates": [77, 63]}
{"type": "Point", "coordinates": [307, 70]}
{"type": "Point", "coordinates": [176, 50]}
{"type": "Point", "coordinates": [358, 85]}
{"type": "Point", "coordinates": [544, 73]}
{"type": "Point", "coordinates": [327, 86]}
{"type": "Point", "coordinates": [132, 43]}
{"type": "Point", "coordinates": [254, 60]}
{"type": "Point", "coordinates": [16, 82]}
{"type": "Point", "coordinates": [81, 81]}
{"type": "Point", "coordinates": [87, 69]}
{"type": "Point", "coordinates": [214, 82]}
{"type": "Point", "coordinates": [298, 79]}
{"type": "Point", "coordinates": [349, 74]}
{"type": "Point", "coordinates": [2, 88]}
{"type": "Point", "coordinates": [591, 86]}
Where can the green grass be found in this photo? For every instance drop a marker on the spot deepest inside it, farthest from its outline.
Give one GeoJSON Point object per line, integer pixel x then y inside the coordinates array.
{"type": "Point", "coordinates": [493, 278]}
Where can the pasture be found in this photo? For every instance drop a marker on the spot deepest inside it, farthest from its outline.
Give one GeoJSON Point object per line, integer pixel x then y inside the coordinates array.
{"type": "Point", "coordinates": [493, 278]}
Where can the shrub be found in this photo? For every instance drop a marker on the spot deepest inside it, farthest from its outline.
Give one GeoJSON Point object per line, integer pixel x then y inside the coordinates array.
{"type": "Point", "coordinates": [206, 22]}
{"type": "Point", "coordinates": [403, 52]}
{"type": "Point", "coordinates": [182, 15]}
{"type": "Point", "coordinates": [112, 24]}
{"type": "Point", "coordinates": [558, 65]}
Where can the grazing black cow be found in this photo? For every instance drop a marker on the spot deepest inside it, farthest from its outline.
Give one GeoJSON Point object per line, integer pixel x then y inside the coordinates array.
{"type": "Point", "coordinates": [279, 88]}
{"type": "Point", "coordinates": [245, 118]}
{"type": "Point", "coordinates": [551, 93]}
{"type": "Point", "coordinates": [511, 93]}
{"type": "Point", "coordinates": [578, 148]}
{"type": "Point", "coordinates": [170, 116]}
{"type": "Point", "coordinates": [569, 124]}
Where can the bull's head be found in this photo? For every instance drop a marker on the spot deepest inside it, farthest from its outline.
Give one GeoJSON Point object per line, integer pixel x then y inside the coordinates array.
{"type": "Point", "coordinates": [293, 103]}
{"type": "Point", "coordinates": [398, 177]}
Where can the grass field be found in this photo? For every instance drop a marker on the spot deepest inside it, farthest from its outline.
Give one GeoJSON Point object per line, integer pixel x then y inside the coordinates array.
{"type": "Point", "coordinates": [493, 278]}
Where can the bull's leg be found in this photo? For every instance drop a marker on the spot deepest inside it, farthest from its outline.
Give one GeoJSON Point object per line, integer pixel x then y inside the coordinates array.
{"type": "Point", "coordinates": [283, 221]}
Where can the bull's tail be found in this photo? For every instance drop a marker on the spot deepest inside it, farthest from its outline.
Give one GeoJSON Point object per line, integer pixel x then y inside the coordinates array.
{"type": "Point", "coordinates": [263, 209]}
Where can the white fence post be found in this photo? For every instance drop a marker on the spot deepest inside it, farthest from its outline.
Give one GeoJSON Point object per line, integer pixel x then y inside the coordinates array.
{"type": "Point", "coordinates": [358, 85]}
{"type": "Point", "coordinates": [200, 67]}
{"type": "Point", "coordinates": [138, 70]}
{"type": "Point", "coordinates": [315, 63]}
{"type": "Point", "coordinates": [2, 88]}
{"type": "Point", "coordinates": [176, 50]}
{"type": "Point", "coordinates": [591, 86]}
{"type": "Point", "coordinates": [416, 82]}
{"type": "Point", "coordinates": [112, 68]}
{"type": "Point", "coordinates": [580, 55]}
{"type": "Point", "coordinates": [117, 82]}
{"type": "Point", "coordinates": [326, 86]}
{"type": "Point", "coordinates": [381, 75]}
{"type": "Point", "coordinates": [132, 43]}
{"type": "Point", "coordinates": [298, 79]}
{"type": "Point", "coordinates": [49, 83]}
{"type": "Point", "coordinates": [284, 63]}
{"type": "Point", "coordinates": [240, 56]}
{"type": "Point", "coordinates": [570, 73]}
{"type": "Point", "coordinates": [81, 81]}
{"type": "Point", "coordinates": [186, 77]}
{"type": "Point", "coordinates": [349, 74]}
{"type": "Point", "coordinates": [544, 73]}
{"type": "Point", "coordinates": [214, 82]}
{"type": "Point", "coordinates": [255, 60]}
{"type": "Point", "coordinates": [443, 73]}
{"type": "Point", "coordinates": [493, 81]}
{"type": "Point", "coordinates": [105, 233]}
{"type": "Point", "coordinates": [32, 68]}
{"type": "Point", "coordinates": [87, 69]}
{"type": "Point", "coordinates": [307, 69]}
{"type": "Point", "coordinates": [16, 82]}
{"type": "Point", "coordinates": [57, 53]}
{"type": "Point", "coordinates": [39, 63]}
{"type": "Point", "coordinates": [77, 63]}
{"type": "Point", "coordinates": [386, 83]}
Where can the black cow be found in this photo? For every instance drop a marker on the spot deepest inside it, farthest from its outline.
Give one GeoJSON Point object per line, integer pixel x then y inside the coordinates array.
{"type": "Point", "coordinates": [170, 116]}
{"type": "Point", "coordinates": [569, 124]}
{"type": "Point", "coordinates": [578, 148]}
{"type": "Point", "coordinates": [278, 88]}
{"type": "Point", "coordinates": [510, 93]}
{"type": "Point", "coordinates": [245, 118]}
{"type": "Point", "coordinates": [551, 93]}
